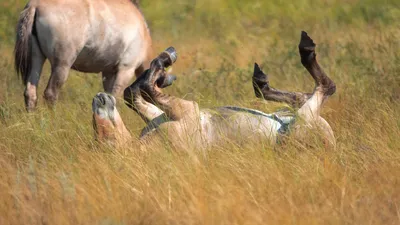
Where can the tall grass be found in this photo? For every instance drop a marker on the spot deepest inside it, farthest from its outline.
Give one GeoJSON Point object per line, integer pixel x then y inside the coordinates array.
{"type": "Point", "coordinates": [53, 172]}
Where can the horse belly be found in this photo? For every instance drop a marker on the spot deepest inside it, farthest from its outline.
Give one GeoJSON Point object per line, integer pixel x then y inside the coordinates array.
{"type": "Point", "coordinates": [91, 60]}
{"type": "Point", "coordinates": [237, 126]}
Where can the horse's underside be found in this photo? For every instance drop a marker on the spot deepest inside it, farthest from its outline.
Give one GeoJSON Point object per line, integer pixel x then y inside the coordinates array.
{"type": "Point", "coordinates": [184, 124]}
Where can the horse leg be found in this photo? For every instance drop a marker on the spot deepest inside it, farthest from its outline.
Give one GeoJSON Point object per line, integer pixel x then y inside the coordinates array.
{"type": "Point", "coordinates": [122, 79]}
{"type": "Point", "coordinates": [134, 100]}
{"type": "Point", "coordinates": [59, 74]}
{"type": "Point", "coordinates": [174, 108]}
{"type": "Point", "coordinates": [38, 60]}
{"type": "Point", "coordinates": [107, 122]}
{"type": "Point", "coordinates": [324, 87]}
{"type": "Point", "coordinates": [108, 79]}
{"type": "Point", "coordinates": [60, 66]}
{"type": "Point", "coordinates": [263, 90]}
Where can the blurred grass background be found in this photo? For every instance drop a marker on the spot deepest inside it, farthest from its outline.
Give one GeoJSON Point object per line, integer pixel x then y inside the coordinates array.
{"type": "Point", "coordinates": [54, 173]}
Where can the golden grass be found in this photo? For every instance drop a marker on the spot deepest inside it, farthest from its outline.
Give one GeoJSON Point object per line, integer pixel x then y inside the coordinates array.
{"type": "Point", "coordinates": [53, 172]}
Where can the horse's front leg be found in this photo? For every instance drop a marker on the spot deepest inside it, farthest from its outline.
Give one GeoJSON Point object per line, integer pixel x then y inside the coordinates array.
{"type": "Point", "coordinates": [108, 80]}
{"type": "Point", "coordinates": [123, 76]}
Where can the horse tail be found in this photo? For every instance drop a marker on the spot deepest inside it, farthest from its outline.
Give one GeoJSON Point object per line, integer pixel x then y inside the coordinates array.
{"type": "Point", "coordinates": [23, 45]}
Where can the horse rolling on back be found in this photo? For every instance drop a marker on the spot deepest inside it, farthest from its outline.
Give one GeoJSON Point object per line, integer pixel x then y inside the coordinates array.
{"type": "Point", "coordinates": [185, 125]}
{"type": "Point", "coordinates": [92, 36]}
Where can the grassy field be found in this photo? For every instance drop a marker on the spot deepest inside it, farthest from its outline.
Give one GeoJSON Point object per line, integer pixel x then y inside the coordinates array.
{"type": "Point", "coordinates": [53, 172]}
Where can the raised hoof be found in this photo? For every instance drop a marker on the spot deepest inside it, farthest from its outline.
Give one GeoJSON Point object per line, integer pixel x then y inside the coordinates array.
{"type": "Point", "coordinates": [104, 117]}
{"type": "Point", "coordinates": [165, 81]}
{"type": "Point", "coordinates": [260, 81]}
{"type": "Point", "coordinates": [259, 76]}
{"type": "Point", "coordinates": [306, 47]}
{"type": "Point", "coordinates": [103, 104]}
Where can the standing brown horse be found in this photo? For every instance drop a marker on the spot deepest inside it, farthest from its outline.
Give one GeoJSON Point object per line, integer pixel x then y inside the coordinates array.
{"type": "Point", "coordinates": [108, 36]}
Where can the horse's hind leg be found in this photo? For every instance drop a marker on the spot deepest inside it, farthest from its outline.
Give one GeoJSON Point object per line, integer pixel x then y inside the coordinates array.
{"type": "Point", "coordinates": [38, 59]}
{"type": "Point", "coordinates": [60, 67]}
{"type": "Point", "coordinates": [59, 74]}
{"type": "Point", "coordinates": [263, 90]}
{"type": "Point", "coordinates": [324, 86]}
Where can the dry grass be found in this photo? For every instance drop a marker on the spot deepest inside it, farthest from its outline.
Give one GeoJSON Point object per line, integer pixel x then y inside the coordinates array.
{"type": "Point", "coordinates": [52, 171]}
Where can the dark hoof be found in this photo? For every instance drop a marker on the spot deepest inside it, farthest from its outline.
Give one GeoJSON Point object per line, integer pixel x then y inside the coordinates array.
{"type": "Point", "coordinates": [306, 43]}
{"type": "Point", "coordinates": [103, 101]}
{"type": "Point", "coordinates": [260, 81]}
{"type": "Point", "coordinates": [306, 48]}
{"type": "Point", "coordinates": [172, 54]}
{"type": "Point", "coordinates": [165, 81]}
{"type": "Point", "coordinates": [259, 75]}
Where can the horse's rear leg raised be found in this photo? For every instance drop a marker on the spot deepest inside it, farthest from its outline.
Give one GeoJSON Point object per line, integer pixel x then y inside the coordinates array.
{"type": "Point", "coordinates": [324, 87]}
{"type": "Point", "coordinates": [32, 81]}
{"type": "Point", "coordinates": [263, 90]}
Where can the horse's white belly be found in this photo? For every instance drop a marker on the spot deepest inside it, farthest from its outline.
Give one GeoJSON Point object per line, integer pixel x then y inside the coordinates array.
{"type": "Point", "coordinates": [239, 125]}
{"type": "Point", "coordinates": [91, 59]}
